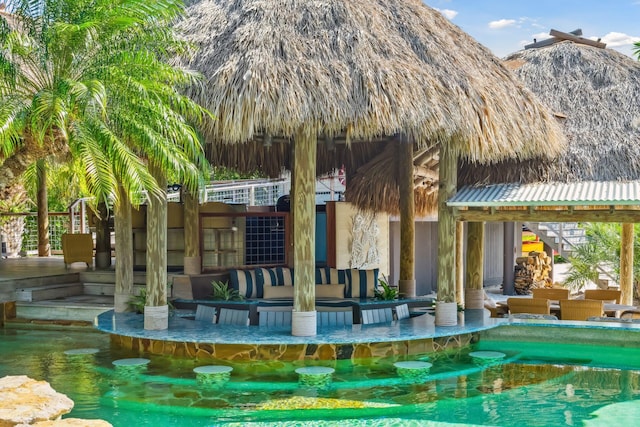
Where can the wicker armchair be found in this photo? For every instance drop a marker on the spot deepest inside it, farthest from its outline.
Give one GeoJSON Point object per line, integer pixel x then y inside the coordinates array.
{"type": "Point", "coordinates": [582, 309]}
{"type": "Point", "coordinates": [551, 293]}
{"type": "Point", "coordinates": [77, 248]}
{"type": "Point", "coordinates": [603, 295]}
{"type": "Point", "coordinates": [529, 305]}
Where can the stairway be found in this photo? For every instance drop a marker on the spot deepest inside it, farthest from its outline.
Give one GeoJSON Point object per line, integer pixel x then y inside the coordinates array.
{"type": "Point", "coordinates": [563, 237]}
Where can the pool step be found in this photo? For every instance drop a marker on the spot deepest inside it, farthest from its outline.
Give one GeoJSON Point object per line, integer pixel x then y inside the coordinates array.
{"type": "Point", "coordinates": [79, 308]}
{"type": "Point", "coordinates": [49, 292]}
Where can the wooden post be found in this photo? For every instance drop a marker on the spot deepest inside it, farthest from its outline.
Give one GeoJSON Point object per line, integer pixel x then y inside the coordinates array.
{"type": "Point", "coordinates": [44, 248]}
{"type": "Point", "coordinates": [156, 313]}
{"type": "Point", "coordinates": [406, 282]}
{"type": "Point", "coordinates": [508, 273]}
{"type": "Point", "coordinates": [475, 255]}
{"type": "Point", "coordinates": [103, 237]}
{"type": "Point", "coordinates": [124, 252]}
{"type": "Point", "coordinates": [459, 263]}
{"type": "Point", "coordinates": [446, 226]}
{"type": "Point", "coordinates": [304, 223]}
{"type": "Point", "coordinates": [192, 260]}
{"type": "Point", "coordinates": [626, 264]}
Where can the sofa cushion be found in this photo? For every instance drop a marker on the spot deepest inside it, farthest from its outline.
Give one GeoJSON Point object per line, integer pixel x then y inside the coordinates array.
{"type": "Point", "coordinates": [284, 276]}
{"type": "Point", "coordinates": [326, 275]}
{"type": "Point", "coordinates": [265, 277]}
{"type": "Point", "coordinates": [245, 282]}
{"type": "Point", "coordinates": [335, 290]}
{"type": "Point", "coordinates": [277, 292]}
{"type": "Point", "coordinates": [361, 283]}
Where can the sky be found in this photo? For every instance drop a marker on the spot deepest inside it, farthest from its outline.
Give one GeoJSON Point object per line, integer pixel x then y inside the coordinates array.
{"type": "Point", "coordinates": [505, 26]}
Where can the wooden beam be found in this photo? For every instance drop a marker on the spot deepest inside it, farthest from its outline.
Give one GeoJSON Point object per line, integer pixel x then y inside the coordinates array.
{"type": "Point", "coordinates": [424, 156]}
{"type": "Point", "coordinates": [459, 262]}
{"type": "Point", "coordinates": [404, 171]}
{"type": "Point", "coordinates": [626, 264]}
{"type": "Point", "coordinates": [425, 173]}
{"type": "Point", "coordinates": [447, 226]}
{"type": "Point", "coordinates": [550, 41]}
{"type": "Point", "coordinates": [192, 257]}
{"type": "Point", "coordinates": [568, 36]}
{"type": "Point", "coordinates": [550, 215]}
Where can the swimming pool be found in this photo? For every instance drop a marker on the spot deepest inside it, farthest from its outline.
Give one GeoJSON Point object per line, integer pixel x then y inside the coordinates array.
{"type": "Point", "coordinates": [536, 384]}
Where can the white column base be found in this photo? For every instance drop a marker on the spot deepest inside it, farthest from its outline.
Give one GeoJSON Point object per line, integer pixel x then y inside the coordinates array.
{"type": "Point", "coordinates": [156, 318]}
{"type": "Point", "coordinates": [121, 302]}
{"type": "Point", "coordinates": [303, 323]}
{"type": "Point", "coordinates": [446, 314]}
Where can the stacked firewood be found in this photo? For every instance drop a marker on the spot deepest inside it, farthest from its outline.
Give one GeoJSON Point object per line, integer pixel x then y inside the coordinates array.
{"type": "Point", "coordinates": [532, 272]}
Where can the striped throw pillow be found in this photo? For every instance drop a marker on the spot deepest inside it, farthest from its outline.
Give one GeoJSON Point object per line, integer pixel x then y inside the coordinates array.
{"type": "Point", "coordinates": [361, 283]}
{"type": "Point", "coordinates": [245, 282]}
{"type": "Point", "coordinates": [328, 275]}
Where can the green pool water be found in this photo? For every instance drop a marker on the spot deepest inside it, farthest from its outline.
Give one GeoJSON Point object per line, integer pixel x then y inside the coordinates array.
{"type": "Point", "coordinates": [534, 385]}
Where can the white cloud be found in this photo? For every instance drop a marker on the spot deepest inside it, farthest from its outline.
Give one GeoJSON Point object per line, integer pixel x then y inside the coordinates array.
{"type": "Point", "coordinates": [615, 39]}
{"type": "Point", "coordinates": [502, 23]}
{"type": "Point", "coordinates": [448, 13]}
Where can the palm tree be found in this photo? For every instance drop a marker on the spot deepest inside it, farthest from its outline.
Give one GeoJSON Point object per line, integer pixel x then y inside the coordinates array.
{"type": "Point", "coordinates": [91, 80]}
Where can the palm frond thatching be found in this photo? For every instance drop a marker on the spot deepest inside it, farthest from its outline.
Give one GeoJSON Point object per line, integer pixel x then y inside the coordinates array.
{"type": "Point", "coordinates": [358, 69]}
{"type": "Point", "coordinates": [597, 90]}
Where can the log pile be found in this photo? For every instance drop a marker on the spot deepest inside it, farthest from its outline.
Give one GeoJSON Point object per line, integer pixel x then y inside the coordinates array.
{"type": "Point", "coordinates": [532, 272]}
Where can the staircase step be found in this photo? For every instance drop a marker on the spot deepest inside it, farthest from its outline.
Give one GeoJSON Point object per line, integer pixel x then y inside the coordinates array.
{"type": "Point", "coordinates": [76, 308]}
{"type": "Point", "coordinates": [92, 288]}
{"type": "Point", "coordinates": [49, 292]}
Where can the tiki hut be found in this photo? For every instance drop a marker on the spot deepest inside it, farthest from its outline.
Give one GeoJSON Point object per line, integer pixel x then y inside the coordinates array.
{"type": "Point", "coordinates": [312, 85]}
{"type": "Point", "coordinates": [596, 177]}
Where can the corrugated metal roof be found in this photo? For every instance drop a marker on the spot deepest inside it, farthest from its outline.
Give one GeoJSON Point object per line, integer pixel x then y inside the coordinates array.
{"type": "Point", "coordinates": [549, 194]}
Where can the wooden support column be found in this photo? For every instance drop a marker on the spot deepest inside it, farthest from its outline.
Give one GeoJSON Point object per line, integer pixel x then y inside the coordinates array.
{"type": "Point", "coordinates": [508, 272]}
{"type": "Point", "coordinates": [626, 264]}
{"type": "Point", "coordinates": [475, 262]}
{"type": "Point", "coordinates": [156, 311]}
{"type": "Point", "coordinates": [192, 260]}
{"type": "Point", "coordinates": [44, 248]}
{"type": "Point", "coordinates": [304, 223]}
{"type": "Point", "coordinates": [407, 282]}
{"type": "Point", "coordinates": [124, 252]}
{"type": "Point", "coordinates": [103, 237]}
{"type": "Point", "coordinates": [446, 226]}
{"type": "Point", "coordinates": [459, 263]}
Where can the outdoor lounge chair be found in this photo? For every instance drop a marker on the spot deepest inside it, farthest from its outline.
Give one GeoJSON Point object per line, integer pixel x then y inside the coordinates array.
{"type": "Point", "coordinates": [335, 318]}
{"type": "Point", "coordinates": [529, 305]}
{"type": "Point", "coordinates": [580, 309]}
{"type": "Point", "coordinates": [205, 313]}
{"type": "Point", "coordinates": [402, 312]}
{"type": "Point", "coordinates": [275, 318]}
{"type": "Point", "coordinates": [551, 293]}
{"type": "Point", "coordinates": [376, 315]}
{"type": "Point", "coordinates": [77, 248]}
{"type": "Point", "coordinates": [230, 316]}
{"type": "Point", "coordinates": [609, 295]}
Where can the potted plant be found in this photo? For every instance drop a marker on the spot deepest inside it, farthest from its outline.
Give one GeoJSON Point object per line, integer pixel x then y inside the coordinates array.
{"type": "Point", "coordinates": [139, 301]}
{"type": "Point", "coordinates": [222, 291]}
{"type": "Point", "coordinates": [384, 291]}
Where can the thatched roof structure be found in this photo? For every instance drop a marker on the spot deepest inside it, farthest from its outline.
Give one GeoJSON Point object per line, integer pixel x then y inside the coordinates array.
{"type": "Point", "coordinates": [355, 72]}
{"type": "Point", "coordinates": [597, 91]}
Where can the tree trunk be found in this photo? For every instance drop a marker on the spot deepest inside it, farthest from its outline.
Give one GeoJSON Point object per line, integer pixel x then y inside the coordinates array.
{"type": "Point", "coordinates": [44, 248]}
{"type": "Point", "coordinates": [475, 255]}
{"type": "Point", "coordinates": [304, 224]}
{"type": "Point", "coordinates": [157, 317]}
{"type": "Point", "coordinates": [406, 283]}
{"type": "Point", "coordinates": [124, 252]}
{"type": "Point", "coordinates": [30, 152]}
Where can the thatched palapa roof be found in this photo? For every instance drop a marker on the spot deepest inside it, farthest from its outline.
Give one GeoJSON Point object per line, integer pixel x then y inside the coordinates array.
{"type": "Point", "coordinates": [597, 91]}
{"type": "Point", "coordinates": [354, 71]}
